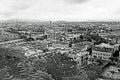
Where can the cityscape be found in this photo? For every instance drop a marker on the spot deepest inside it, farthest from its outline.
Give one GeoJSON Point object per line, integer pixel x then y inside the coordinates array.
{"type": "Point", "coordinates": [59, 50]}
{"type": "Point", "coordinates": [59, 39]}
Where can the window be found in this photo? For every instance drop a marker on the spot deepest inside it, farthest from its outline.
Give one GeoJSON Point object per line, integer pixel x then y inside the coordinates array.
{"type": "Point", "coordinates": [103, 49]}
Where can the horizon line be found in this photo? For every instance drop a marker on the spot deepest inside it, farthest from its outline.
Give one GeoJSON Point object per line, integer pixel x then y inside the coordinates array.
{"type": "Point", "coordinates": [62, 20]}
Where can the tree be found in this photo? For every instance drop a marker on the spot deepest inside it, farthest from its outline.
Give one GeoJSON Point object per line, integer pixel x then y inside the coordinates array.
{"type": "Point", "coordinates": [74, 40]}
{"type": "Point", "coordinates": [93, 71]}
{"type": "Point", "coordinates": [116, 53]}
{"type": "Point", "coordinates": [4, 74]}
{"type": "Point", "coordinates": [99, 61]}
{"type": "Point", "coordinates": [119, 48]}
{"type": "Point", "coordinates": [39, 75]}
{"type": "Point", "coordinates": [60, 65]}
{"type": "Point", "coordinates": [10, 58]}
{"type": "Point", "coordinates": [113, 59]}
{"type": "Point", "coordinates": [113, 72]}
{"type": "Point", "coordinates": [29, 71]}
{"type": "Point", "coordinates": [70, 44]}
{"type": "Point", "coordinates": [81, 37]}
{"type": "Point", "coordinates": [89, 49]}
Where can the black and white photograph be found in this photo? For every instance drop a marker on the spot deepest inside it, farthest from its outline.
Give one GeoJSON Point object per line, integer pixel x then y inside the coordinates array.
{"type": "Point", "coordinates": [59, 39]}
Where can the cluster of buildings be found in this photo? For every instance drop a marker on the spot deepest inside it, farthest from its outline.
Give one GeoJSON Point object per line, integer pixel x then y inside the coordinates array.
{"type": "Point", "coordinates": [55, 38]}
{"type": "Point", "coordinates": [103, 51]}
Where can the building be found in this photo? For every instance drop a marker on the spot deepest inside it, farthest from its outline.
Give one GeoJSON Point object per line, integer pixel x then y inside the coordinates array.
{"type": "Point", "coordinates": [82, 45]}
{"type": "Point", "coordinates": [73, 35]}
{"type": "Point", "coordinates": [82, 58]}
{"type": "Point", "coordinates": [56, 35]}
{"type": "Point", "coordinates": [60, 45]}
{"type": "Point", "coordinates": [66, 51]}
{"type": "Point", "coordinates": [113, 38]}
{"type": "Point", "coordinates": [31, 53]}
{"type": "Point", "coordinates": [103, 51]}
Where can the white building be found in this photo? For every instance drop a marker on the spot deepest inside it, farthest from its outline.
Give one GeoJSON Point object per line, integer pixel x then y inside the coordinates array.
{"type": "Point", "coordinates": [29, 53]}
{"type": "Point", "coordinates": [103, 51]}
{"type": "Point", "coordinates": [82, 58]}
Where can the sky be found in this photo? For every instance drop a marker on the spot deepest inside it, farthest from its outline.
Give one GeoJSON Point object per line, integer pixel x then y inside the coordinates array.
{"type": "Point", "coordinates": [63, 10]}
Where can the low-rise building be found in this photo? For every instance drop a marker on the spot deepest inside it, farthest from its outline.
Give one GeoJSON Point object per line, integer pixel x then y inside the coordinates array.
{"type": "Point", "coordinates": [29, 53]}
{"type": "Point", "coordinates": [59, 45]}
{"type": "Point", "coordinates": [64, 50]}
{"type": "Point", "coordinates": [103, 51]}
{"type": "Point", "coordinates": [82, 58]}
{"type": "Point", "coordinates": [56, 35]}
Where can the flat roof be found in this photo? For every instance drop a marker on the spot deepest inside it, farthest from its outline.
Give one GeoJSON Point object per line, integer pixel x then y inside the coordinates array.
{"type": "Point", "coordinates": [105, 45]}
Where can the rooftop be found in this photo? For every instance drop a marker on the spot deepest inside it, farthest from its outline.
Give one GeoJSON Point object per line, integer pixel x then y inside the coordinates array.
{"type": "Point", "coordinates": [105, 45]}
{"type": "Point", "coordinates": [82, 53]}
{"type": "Point", "coordinates": [73, 35]}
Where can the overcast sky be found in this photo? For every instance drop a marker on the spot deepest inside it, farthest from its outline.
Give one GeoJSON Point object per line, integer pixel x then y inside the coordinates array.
{"type": "Point", "coordinates": [67, 10]}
